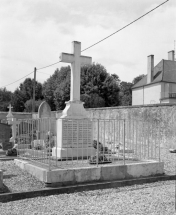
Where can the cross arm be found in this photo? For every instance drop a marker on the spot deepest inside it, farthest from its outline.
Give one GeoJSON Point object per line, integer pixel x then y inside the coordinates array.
{"type": "Point", "coordinates": [67, 58]}
{"type": "Point", "coordinates": [86, 60]}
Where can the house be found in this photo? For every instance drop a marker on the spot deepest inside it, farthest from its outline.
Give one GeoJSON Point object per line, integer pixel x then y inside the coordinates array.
{"type": "Point", "coordinates": [159, 85]}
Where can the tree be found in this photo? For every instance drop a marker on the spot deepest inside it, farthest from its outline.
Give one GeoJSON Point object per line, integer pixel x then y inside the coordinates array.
{"type": "Point", "coordinates": [137, 79]}
{"type": "Point", "coordinates": [24, 93]}
{"type": "Point", "coordinates": [28, 105]}
{"type": "Point", "coordinates": [98, 88]}
{"type": "Point", "coordinates": [18, 100]}
{"type": "Point", "coordinates": [5, 99]}
{"type": "Point", "coordinates": [125, 93]}
{"type": "Point", "coordinates": [56, 90]}
{"type": "Point", "coordinates": [95, 80]}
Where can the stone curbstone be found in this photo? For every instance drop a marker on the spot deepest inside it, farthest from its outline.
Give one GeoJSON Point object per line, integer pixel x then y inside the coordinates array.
{"type": "Point", "coordinates": [7, 197]}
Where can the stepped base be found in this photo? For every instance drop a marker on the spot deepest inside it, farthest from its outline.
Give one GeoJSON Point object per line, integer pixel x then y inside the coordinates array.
{"type": "Point", "coordinates": [61, 153]}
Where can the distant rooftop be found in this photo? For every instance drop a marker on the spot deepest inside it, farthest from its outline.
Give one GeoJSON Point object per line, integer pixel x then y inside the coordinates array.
{"type": "Point", "coordinates": [164, 71]}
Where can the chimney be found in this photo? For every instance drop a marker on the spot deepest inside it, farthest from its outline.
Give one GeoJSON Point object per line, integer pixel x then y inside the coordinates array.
{"type": "Point", "coordinates": [171, 55]}
{"type": "Point", "coordinates": [150, 68]}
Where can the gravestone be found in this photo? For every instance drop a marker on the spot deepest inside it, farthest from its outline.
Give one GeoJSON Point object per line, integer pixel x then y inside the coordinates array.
{"type": "Point", "coordinates": [44, 115]}
{"type": "Point", "coordinates": [74, 129]}
{"type": "Point", "coordinates": [5, 135]}
{"type": "Point", "coordinates": [44, 110]}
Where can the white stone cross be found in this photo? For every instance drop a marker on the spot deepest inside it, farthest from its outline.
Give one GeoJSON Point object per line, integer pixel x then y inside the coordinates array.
{"type": "Point", "coordinates": [76, 61]}
{"type": "Point", "coordinates": [9, 115]}
{"type": "Point", "coordinates": [10, 107]}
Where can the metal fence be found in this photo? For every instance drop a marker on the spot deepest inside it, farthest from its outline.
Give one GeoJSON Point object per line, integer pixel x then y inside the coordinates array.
{"type": "Point", "coordinates": [85, 142]}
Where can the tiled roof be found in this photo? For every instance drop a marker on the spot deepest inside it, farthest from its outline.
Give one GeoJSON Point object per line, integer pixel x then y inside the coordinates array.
{"type": "Point", "coordinates": [164, 71]}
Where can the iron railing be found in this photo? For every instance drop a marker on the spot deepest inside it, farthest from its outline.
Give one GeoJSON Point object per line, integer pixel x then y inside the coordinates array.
{"type": "Point", "coordinates": [85, 142]}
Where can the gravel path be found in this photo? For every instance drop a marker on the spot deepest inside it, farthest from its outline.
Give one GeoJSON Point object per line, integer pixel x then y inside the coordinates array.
{"type": "Point", "coordinates": [155, 198]}
{"type": "Point", "coordinates": [17, 180]}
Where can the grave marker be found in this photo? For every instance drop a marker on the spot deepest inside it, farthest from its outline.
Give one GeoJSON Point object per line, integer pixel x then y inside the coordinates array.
{"type": "Point", "coordinates": [44, 110]}
{"type": "Point", "coordinates": [74, 129]}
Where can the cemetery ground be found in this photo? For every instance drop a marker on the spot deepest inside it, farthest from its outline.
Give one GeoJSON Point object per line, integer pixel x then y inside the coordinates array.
{"type": "Point", "coordinates": [146, 198]}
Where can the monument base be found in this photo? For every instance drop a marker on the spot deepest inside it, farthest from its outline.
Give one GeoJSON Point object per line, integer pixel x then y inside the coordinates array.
{"type": "Point", "coordinates": [74, 110]}
{"type": "Point", "coordinates": [61, 153]}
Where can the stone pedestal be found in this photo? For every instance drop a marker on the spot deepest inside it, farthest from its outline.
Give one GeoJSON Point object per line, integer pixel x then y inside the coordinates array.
{"type": "Point", "coordinates": [74, 133]}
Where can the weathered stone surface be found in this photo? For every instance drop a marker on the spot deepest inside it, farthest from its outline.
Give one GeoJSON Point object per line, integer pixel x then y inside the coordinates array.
{"type": "Point", "coordinates": [44, 110]}
{"type": "Point", "coordinates": [1, 179]}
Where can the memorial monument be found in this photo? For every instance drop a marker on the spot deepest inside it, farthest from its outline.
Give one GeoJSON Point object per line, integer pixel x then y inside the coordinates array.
{"type": "Point", "coordinates": [74, 129]}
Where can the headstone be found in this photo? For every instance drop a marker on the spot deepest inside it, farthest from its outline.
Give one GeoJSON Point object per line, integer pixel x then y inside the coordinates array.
{"type": "Point", "coordinates": [45, 122]}
{"type": "Point", "coordinates": [13, 122]}
{"type": "Point", "coordinates": [5, 135]}
{"type": "Point", "coordinates": [74, 129]}
{"type": "Point", "coordinates": [44, 110]}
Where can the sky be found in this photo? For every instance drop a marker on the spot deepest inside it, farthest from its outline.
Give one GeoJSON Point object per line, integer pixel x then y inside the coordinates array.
{"type": "Point", "coordinates": [33, 33]}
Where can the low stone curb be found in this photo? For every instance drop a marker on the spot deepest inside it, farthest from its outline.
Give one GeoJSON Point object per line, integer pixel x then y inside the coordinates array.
{"type": "Point", "coordinates": [7, 158]}
{"type": "Point", "coordinates": [7, 197]}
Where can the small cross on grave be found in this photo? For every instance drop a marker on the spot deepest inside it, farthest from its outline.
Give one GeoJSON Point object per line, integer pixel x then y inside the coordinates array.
{"type": "Point", "coordinates": [9, 115]}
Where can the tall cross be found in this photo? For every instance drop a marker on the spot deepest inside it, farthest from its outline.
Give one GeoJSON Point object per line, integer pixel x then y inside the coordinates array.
{"type": "Point", "coordinates": [76, 61]}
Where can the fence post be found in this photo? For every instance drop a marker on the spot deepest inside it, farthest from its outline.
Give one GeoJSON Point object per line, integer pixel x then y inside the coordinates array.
{"type": "Point", "coordinates": [124, 143]}
{"type": "Point", "coordinates": [97, 141]}
{"type": "Point", "coordinates": [49, 136]}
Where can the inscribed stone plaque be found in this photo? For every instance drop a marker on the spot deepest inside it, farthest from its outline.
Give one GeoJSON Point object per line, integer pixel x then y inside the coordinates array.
{"type": "Point", "coordinates": [77, 133]}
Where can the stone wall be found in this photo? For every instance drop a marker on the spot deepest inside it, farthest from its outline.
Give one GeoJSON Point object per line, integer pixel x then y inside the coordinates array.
{"type": "Point", "coordinates": [160, 117]}
{"type": "Point", "coordinates": [163, 112]}
{"type": "Point", "coordinates": [17, 115]}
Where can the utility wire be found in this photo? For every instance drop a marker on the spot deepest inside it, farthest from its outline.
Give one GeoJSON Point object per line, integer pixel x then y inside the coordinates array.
{"type": "Point", "coordinates": [49, 65]}
{"type": "Point", "coordinates": [17, 80]}
{"type": "Point", "coordinates": [114, 32]}
{"type": "Point", "coordinates": [124, 26]}
{"type": "Point", "coordinates": [44, 73]}
{"type": "Point", "coordinates": [100, 40]}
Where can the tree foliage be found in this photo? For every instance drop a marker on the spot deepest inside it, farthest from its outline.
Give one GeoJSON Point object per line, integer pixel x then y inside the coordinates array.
{"type": "Point", "coordinates": [98, 88]}
{"type": "Point", "coordinates": [125, 93]}
{"type": "Point", "coordinates": [24, 93]}
{"type": "Point", "coordinates": [28, 105]}
{"type": "Point", "coordinates": [5, 98]}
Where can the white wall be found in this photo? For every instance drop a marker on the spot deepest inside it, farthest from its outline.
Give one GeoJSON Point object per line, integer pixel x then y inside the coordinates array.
{"type": "Point", "coordinates": [137, 96]}
{"type": "Point", "coordinates": [152, 94]}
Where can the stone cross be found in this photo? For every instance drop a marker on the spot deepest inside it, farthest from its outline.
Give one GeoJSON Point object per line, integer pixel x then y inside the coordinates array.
{"type": "Point", "coordinates": [10, 107]}
{"type": "Point", "coordinates": [10, 112]}
{"type": "Point", "coordinates": [76, 61]}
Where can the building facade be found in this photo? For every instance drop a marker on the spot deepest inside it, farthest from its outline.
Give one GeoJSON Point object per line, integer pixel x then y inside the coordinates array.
{"type": "Point", "coordinates": [159, 85]}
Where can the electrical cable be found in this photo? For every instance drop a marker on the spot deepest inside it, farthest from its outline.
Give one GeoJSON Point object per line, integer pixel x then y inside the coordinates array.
{"type": "Point", "coordinates": [124, 26]}
{"type": "Point", "coordinates": [44, 73]}
{"type": "Point", "coordinates": [102, 39]}
{"type": "Point", "coordinates": [113, 33]}
{"type": "Point", "coordinates": [49, 65]}
{"type": "Point", "coordinates": [17, 80]}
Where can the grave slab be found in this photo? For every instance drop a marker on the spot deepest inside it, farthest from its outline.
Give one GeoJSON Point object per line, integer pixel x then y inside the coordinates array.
{"type": "Point", "coordinates": [105, 172]}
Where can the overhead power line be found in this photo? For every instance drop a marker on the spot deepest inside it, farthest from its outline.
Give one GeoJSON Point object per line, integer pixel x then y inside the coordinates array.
{"type": "Point", "coordinates": [99, 40]}
{"type": "Point", "coordinates": [17, 80]}
{"type": "Point", "coordinates": [124, 27]}
{"type": "Point", "coordinates": [49, 65]}
{"type": "Point", "coordinates": [114, 32]}
{"type": "Point", "coordinates": [44, 73]}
